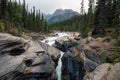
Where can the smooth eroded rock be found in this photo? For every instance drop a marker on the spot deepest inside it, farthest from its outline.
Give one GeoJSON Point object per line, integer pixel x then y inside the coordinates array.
{"type": "Point", "coordinates": [105, 71]}
{"type": "Point", "coordinates": [26, 59]}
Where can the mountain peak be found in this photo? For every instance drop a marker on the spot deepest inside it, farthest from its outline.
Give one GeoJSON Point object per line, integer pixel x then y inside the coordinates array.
{"type": "Point", "coordinates": [60, 15]}
{"type": "Point", "coordinates": [68, 10]}
{"type": "Point", "coordinates": [62, 11]}
{"type": "Point", "coordinates": [58, 11]}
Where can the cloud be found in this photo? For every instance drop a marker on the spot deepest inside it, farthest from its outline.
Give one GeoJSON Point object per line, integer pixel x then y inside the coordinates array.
{"type": "Point", "coordinates": [49, 6]}
{"type": "Point", "coordinates": [46, 6]}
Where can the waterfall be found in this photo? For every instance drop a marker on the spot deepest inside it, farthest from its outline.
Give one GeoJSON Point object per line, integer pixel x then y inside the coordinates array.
{"type": "Point", "coordinates": [51, 41]}
{"type": "Point", "coordinates": [59, 67]}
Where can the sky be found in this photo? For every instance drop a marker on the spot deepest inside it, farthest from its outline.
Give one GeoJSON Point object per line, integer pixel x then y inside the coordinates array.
{"type": "Point", "coordinates": [49, 6]}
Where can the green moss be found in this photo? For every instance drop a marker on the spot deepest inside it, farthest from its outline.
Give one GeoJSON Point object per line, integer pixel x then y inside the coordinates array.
{"type": "Point", "coordinates": [109, 68]}
{"type": "Point", "coordinates": [87, 41]}
{"type": "Point", "coordinates": [117, 44]}
{"type": "Point", "coordinates": [107, 40]}
{"type": "Point", "coordinates": [115, 56]}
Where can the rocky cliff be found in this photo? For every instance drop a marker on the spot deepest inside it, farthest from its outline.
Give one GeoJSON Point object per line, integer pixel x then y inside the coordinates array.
{"type": "Point", "coordinates": [85, 60]}
{"type": "Point", "coordinates": [105, 71]}
{"type": "Point", "coordinates": [26, 59]}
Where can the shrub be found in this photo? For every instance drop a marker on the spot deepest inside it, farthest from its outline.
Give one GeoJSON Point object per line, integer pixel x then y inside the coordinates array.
{"type": "Point", "coordinates": [87, 41]}
{"type": "Point", "coordinates": [115, 56]}
{"type": "Point", "coordinates": [117, 44]}
{"type": "Point", "coordinates": [109, 68]}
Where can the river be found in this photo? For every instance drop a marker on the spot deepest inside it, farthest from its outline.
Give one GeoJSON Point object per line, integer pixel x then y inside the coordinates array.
{"type": "Point", "coordinates": [50, 41]}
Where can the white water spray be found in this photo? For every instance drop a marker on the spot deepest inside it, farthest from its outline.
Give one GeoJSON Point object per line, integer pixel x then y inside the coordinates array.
{"type": "Point", "coordinates": [51, 41]}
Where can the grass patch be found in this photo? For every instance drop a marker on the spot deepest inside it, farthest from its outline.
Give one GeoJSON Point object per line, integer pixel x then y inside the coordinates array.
{"type": "Point", "coordinates": [87, 41]}
{"type": "Point", "coordinates": [109, 68]}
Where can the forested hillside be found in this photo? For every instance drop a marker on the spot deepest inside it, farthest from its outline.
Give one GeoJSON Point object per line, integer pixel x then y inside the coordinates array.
{"type": "Point", "coordinates": [101, 19]}
{"type": "Point", "coordinates": [15, 17]}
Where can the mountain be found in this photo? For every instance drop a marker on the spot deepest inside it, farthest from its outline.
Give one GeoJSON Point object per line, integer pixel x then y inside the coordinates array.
{"type": "Point", "coordinates": [60, 15]}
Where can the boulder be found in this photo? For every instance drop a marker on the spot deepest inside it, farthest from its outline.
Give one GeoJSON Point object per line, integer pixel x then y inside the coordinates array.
{"type": "Point", "coordinates": [95, 50]}
{"type": "Point", "coordinates": [71, 69]}
{"type": "Point", "coordinates": [64, 45]}
{"type": "Point", "coordinates": [105, 71]}
{"type": "Point", "coordinates": [26, 59]}
{"type": "Point", "coordinates": [91, 61]}
{"type": "Point", "coordinates": [36, 36]}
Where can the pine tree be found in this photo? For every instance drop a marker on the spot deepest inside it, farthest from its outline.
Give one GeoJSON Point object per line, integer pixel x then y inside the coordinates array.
{"type": "Point", "coordinates": [110, 12]}
{"type": "Point", "coordinates": [10, 12]}
{"type": "Point", "coordinates": [82, 7]}
{"type": "Point", "coordinates": [3, 9]}
{"type": "Point", "coordinates": [117, 16]}
{"type": "Point", "coordinates": [24, 14]}
{"type": "Point", "coordinates": [91, 6]}
{"type": "Point", "coordinates": [91, 11]}
{"type": "Point", "coordinates": [0, 9]}
{"type": "Point", "coordinates": [100, 20]}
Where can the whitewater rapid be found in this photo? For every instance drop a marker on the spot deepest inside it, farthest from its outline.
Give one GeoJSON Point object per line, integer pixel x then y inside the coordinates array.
{"type": "Point", "coordinates": [50, 41]}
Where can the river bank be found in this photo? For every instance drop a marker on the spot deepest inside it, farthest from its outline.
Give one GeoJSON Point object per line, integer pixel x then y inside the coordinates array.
{"type": "Point", "coordinates": [87, 60]}
{"type": "Point", "coordinates": [60, 56]}
{"type": "Point", "coordinates": [28, 57]}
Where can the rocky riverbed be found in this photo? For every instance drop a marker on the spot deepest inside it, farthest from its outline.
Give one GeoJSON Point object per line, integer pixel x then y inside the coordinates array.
{"type": "Point", "coordinates": [37, 57]}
